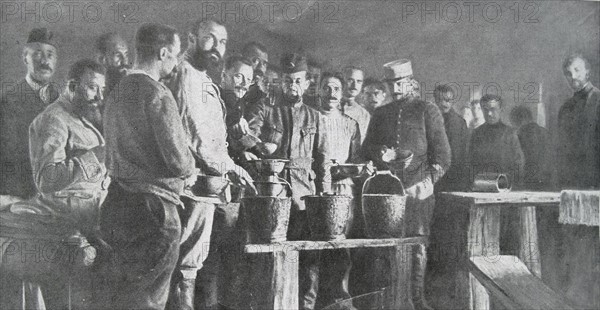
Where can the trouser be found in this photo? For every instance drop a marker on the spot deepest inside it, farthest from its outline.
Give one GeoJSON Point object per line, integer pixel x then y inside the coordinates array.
{"type": "Point", "coordinates": [217, 276]}
{"type": "Point", "coordinates": [144, 232]}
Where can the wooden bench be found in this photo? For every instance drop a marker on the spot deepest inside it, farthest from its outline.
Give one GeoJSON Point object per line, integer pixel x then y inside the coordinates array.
{"type": "Point", "coordinates": [285, 260]}
{"type": "Point", "coordinates": [507, 279]}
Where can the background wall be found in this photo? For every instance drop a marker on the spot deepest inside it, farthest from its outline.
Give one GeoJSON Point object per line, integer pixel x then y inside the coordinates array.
{"type": "Point", "coordinates": [505, 46]}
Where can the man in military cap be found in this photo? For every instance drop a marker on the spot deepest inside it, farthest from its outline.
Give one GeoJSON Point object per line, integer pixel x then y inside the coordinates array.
{"type": "Point", "coordinates": [297, 131]}
{"type": "Point", "coordinates": [409, 123]}
{"type": "Point", "coordinates": [19, 105]}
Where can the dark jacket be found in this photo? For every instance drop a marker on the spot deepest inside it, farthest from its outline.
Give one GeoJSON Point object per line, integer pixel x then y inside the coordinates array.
{"type": "Point", "coordinates": [457, 176]}
{"type": "Point", "coordinates": [299, 138]}
{"type": "Point", "coordinates": [496, 148]}
{"type": "Point", "coordinates": [414, 125]}
{"type": "Point", "coordinates": [534, 143]}
{"type": "Point", "coordinates": [579, 140]}
{"type": "Point", "coordinates": [19, 106]}
{"type": "Point", "coordinates": [147, 146]}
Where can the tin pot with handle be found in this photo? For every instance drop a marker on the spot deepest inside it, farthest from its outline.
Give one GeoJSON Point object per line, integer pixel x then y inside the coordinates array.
{"type": "Point", "coordinates": [383, 205]}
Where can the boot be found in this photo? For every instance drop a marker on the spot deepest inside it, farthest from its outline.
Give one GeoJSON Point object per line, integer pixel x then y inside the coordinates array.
{"type": "Point", "coordinates": [419, 265]}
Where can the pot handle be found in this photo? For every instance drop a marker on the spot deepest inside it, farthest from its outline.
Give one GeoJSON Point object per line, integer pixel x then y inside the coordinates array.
{"type": "Point", "coordinates": [287, 184]}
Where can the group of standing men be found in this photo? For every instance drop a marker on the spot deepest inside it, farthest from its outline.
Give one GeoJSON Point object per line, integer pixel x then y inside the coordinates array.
{"type": "Point", "coordinates": [165, 120]}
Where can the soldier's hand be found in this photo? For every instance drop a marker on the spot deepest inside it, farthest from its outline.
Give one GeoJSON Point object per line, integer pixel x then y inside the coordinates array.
{"type": "Point", "coordinates": [420, 190]}
{"type": "Point", "coordinates": [388, 154]}
{"type": "Point", "coordinates": [248, 156]}
{"type": "Point", "coordinates": [240, 177]}
{"type": "Point", "coordinates": [241, 128]}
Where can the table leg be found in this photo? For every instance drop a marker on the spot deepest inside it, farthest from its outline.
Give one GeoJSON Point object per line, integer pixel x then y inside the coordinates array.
{"type": "Point", "coordinates": [401, 268]}
{"type": "Point", "coordinates": [528, 241]}
{"type": "Point", "coordinates": [483, 240]}
{"type": "Point", "coordinates": [285, 280]}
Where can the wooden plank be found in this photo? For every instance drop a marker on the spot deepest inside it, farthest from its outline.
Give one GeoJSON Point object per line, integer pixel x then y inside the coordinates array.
{"type": "Point", "coordinates": [509, 280]}
{"type": "Point", "coordinates": [483, 240]}
{"type": "Point", "coordinates": [529, 251]}
{"type": "Point", "coordinates": [512, 198]}
{"type": "Point", "coordinates": [285, 280]}
{"type": "Point", "coordinates": [401, 267]}
{"type": "Point", "coordinates": [305, 245]}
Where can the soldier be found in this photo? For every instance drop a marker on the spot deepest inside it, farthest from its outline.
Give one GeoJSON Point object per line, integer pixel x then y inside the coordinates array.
{"type": "Point", "coordinates": [409, 123]}
{"type": "Point", "coordinates": [297, 131]}
{"type": "Point", "coordinates": [67, 154]}
{"type": "Point", "coordinates": [375, 94]}
{"type": "Point", "coordinates": [203, 112]}
{"type": "Point", "coordinates": [354, 78]}
{"type": "Point", "coordinates": [578, 129]}
{"type": "Point", "coordinates": [311, 97]}
{"type": "Point", "coordinates": [114, 54]}
{"type": "Point", "coordinates": [456, 179]}
{"type": "Point", "coordinates": [344, 147]}
{"type": "Point", "coordinates": [149, 161]}
{"type": "Point", "coordinates": [19, 106]}
{"type": "Point", "coordinates": [579, 168]}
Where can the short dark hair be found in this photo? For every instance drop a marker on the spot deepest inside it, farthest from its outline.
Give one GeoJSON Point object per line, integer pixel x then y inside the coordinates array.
{"type": "Point", "coordinates": [520, 115]}
{"type": "Point", "coordinates": [78, 69]}
{"type": "Point", "coordinates": [311, 62]}
{"type": "Point", "coordinates": [202, 23]}
{"type": "Point", "coordinates": [443, 92]}
{"type": "Point", "coordinates": [335, 75]}
{"type": "Point", "coordinates": [150, 38]}
{"type": "Point", "coordinates": [253, 45]}
{"type": "Point", "coordinates": [233, 59]}
{"type": "Point", "coordinates": [378, 84]}
{"type": "Point", "coordinates": [353, 68]}
{"type": "Point", "coordinates": [104, 40]}
{"type": "Point", "coordinates": [569, 60]}
{"type": "Point", "coordinates": [490, 98]}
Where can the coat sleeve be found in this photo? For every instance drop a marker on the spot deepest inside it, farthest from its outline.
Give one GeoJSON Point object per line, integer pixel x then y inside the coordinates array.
{"type": "Point", "coordinates": [372, 145]}
{"type": "Point", "coordinates": [53, 168]}
{"type": "Point", "coordinates": [167, 126]}
{"type": "Point", "coordinates": [516, 157]}
{"type": "Point", "coordinates": [438, 148]}
{"type": "Point", "coordinates": [355, 149]}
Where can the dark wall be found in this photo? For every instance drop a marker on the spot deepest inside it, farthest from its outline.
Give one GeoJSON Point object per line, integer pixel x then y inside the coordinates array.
{"type": "Point", "coordinates": [512, 45]}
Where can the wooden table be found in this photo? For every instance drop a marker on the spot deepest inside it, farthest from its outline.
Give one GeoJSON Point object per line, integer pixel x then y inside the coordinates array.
{"type": "Point", "coordinates": [285, 258]}
{"type": "Point", "coordinates": [473, 221]}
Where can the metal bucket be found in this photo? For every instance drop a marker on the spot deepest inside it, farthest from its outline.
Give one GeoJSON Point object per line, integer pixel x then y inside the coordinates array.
{"type": "Point", "coordinates": [383, 206]}
{"type": "Point", "coordinates": [384, 215]}
{"type": "Point", "coordinates": [327, 216]}
{"type": "Point", "coordinates": [267, 218]}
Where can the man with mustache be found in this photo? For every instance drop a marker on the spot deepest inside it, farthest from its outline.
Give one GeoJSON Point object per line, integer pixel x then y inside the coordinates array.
{"type": "Point", "coordinates": [578, 135]}
{"type": "Point", "coordinates": [237, 78]}
{"type": "Point", "coordinates": [67, 154]}
{"type": "Point", "coordinates": [204, 113]}
{"type": "Point", "coordinates": [150, 163]}
{"type": "Point", "coordinates": [297, 131]}
{"type": "Point", "coordinates": [344, 145]}
{"type": "Point", "coordinates": [578, 152]}
{"type": "Point", "coordinates": [409, 123]}
{"type": "Point", "coordinates": [19, 105]}
{"type": "Point", "coordinates": [114, 54]}
{"type": "Point", "coordinates": [375, 94]}
{"type": "Point", "coordinates": [354, 83]}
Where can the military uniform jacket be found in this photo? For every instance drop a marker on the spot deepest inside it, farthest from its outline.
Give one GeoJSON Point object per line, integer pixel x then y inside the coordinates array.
{"type": "Point", "coordinates": [299, 136]}
{"type": "Point", "coordinates": [414, 125]}
{"type": "Point", "coordinates": [19, 106]}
